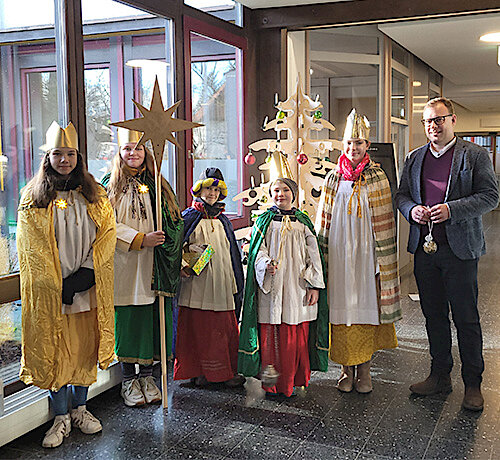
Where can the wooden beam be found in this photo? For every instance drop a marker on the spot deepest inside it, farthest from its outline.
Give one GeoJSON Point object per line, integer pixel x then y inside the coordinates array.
{"type": "Point", "coordinates": [360, 11]}
{"type": "Point", "coordinates": [10, 288]}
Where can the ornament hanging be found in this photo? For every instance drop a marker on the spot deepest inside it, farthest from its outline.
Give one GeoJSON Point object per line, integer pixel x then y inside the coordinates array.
{"type": "Point", "coordinates": [249, 158]}
{"type": "Point", "coordinates": [302, 159]}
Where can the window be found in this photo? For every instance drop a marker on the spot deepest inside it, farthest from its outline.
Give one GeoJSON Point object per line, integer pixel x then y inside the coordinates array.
{"type": "Point", "coordinates": [124, 51]}
{"type": "Point", "coordinates": [28, 105]}
{"type": "Point", "coordinates": [229, 10]}
{"type": "Point", "coordinates": [215, 99]}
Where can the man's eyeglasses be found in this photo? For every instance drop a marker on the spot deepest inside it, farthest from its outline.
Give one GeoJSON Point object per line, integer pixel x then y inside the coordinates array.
{"type": "Point", "coordinates": [438, 120]}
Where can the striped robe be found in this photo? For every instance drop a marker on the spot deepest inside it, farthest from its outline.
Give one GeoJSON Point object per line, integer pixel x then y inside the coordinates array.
{"type": "Point", "coordinates": [384, 229]}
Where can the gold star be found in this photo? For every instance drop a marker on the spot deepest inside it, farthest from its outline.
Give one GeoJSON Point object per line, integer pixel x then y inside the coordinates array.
{"type": "Point", "coordinates": [61, 203]}
{"type": "Point", "coordinates": [143, 188]}
{"type": "Point", "coordinates": [157, 124]}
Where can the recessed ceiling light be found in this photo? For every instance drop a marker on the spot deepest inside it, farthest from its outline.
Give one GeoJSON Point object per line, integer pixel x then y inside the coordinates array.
{"type": "Point", "coordinates": [417, 83]}
{"type": "Point", "coordinates": [491, 38]}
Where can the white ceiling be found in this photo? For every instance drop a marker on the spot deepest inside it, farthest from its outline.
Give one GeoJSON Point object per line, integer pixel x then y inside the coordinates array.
{"type": "Point", "coordinates": [277, 3]}
{"type": "Point", "coordinates": [452, 47]}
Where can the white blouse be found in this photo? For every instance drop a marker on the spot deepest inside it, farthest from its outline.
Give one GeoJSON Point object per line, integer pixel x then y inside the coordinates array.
{"type": "Point", "coordinates": [214, 288]}
{"type": "Point", "coordinates": [75, 234]}
{"type": "Point", "coordinates": [352, 293]}
{"type": "Point", "coordinates": [282, 296]}
{"type": "Point", "coordinates": [133, 269]}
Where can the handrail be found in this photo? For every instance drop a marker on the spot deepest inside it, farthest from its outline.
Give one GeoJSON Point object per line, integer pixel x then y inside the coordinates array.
{"type": "Point", "coordinates": [10, 288]}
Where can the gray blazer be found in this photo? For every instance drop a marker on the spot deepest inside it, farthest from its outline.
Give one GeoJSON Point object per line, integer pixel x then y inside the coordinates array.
{"type": "Point", "coordinates": [472, 191]}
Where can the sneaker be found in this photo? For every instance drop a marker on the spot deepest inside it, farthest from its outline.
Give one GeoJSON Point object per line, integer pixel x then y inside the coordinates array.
{"type": "Point", "coordinates": [58, 431]}
{"type": "Point", "coordinates": [151, 392]}
{"type": "Point", "coordinates": [84, 420]}
{"type": "Point", "coordinates": [132, 394]}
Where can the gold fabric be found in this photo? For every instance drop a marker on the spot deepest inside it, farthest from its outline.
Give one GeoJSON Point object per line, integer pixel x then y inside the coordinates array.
{"type": "Point", "coordinates": [353, 345]}
{"type": "Point", "coordinates": [62, 349]}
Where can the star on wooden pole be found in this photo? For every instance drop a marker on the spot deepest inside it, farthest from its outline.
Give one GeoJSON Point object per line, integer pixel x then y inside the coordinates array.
{"type": "Point", "coordinates": [157, 124]}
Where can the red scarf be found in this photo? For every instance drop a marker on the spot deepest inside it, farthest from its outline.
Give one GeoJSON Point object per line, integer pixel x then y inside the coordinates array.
{"type": "Point", "coordinates": [348, 171]}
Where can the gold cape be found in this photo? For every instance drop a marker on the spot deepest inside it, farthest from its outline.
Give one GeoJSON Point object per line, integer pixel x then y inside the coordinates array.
{"type": "Point", "coordinates": [62, 349]}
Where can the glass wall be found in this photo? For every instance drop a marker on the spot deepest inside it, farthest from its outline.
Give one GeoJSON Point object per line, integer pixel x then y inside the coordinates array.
{"type": "Point", "coordinates": [216, 101]}
{"type": "Point", "coordinates": [124, 51]}
{"type": "Point", "coordinates": [345, 73]}
{"type": "Point", "coordinates": [229, 10]}
{"type": "Point", "coordinates": [28, 105]}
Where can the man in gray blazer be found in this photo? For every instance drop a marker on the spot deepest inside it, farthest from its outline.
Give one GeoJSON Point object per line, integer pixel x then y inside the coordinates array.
{"type": "Point", "coordinates": [446, 186]}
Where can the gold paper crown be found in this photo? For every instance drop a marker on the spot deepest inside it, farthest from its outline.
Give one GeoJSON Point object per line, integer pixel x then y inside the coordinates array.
{"type": "Point", "coordinates": [357, 127]}
{"type": "Point", "coordinates": [57, 137]}
{"type": "Point", "coordinates": [128, 136]}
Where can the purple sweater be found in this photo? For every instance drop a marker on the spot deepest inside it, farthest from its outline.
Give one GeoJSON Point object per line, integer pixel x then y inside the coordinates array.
{"type": "Point", "coordinates": [435, 175]}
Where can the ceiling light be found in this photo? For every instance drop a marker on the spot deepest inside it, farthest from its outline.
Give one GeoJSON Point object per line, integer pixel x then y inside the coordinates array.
{"type": "Point", "coordinates": [417, 83]}
{"type": "Point", "coordinates": [491, 38]}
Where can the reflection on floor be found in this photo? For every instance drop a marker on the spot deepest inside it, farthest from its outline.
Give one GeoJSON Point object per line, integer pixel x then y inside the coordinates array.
{"type": "Point", "coordinates": [215, 423]}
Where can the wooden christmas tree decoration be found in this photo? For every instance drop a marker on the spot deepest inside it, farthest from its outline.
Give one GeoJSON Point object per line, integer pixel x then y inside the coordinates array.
{"type": "Point", "coordinates": [295, 153]}
{"type": "Point", "coordinates": [158, 126]}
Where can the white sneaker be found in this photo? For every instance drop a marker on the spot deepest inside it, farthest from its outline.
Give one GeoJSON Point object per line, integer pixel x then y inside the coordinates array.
{"type": "Point", "coordinates": [151, 392]}
{"type": "Point", "coordinates": [84, 420]}
{"type": "Point", "coordinates": [58, 431]}
{"type": "Point", "coordinates": [132, 394]}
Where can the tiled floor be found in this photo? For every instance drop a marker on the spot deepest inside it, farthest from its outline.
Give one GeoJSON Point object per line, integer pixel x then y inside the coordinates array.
{"type": "Point", "coordinates": [217, 423]}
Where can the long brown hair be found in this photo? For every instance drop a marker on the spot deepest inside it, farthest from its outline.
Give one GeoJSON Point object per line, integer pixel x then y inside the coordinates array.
{"type": "Point", "coordinates": [45, 183]}
{"type": "Point", "coordinates": [118, 180]}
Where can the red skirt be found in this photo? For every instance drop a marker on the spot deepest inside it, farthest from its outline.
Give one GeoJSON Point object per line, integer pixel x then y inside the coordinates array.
{"type": "Point", "coordinates": [207, 344]}
{"type": "Point", "coordinates": [286, 348]}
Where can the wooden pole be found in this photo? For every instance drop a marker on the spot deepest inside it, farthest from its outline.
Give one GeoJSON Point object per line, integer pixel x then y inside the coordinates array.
{"type": "Point", "coordinates": [161, 299]}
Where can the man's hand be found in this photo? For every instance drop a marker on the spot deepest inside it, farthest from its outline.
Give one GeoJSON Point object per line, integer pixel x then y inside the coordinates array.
{"type": "Point", "coordinates": [420, 214]}
{"type": "Point", "coordinates": [439, 213]}
{"type": "Point", "coordinates": [312, 296]}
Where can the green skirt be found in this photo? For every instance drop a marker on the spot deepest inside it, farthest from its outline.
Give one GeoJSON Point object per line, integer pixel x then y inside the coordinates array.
{"type": "Point", "coordinates": [137, 332]}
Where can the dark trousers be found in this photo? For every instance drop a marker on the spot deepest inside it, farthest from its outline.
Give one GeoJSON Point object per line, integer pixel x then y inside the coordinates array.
{"type": "Point", "coordinates": [446, 281]}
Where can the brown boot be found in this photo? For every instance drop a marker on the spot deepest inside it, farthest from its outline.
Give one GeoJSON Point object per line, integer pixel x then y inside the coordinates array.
{"type": "Point", "coordinates": [346, 380]}
{"type": "Point", "coordinates": [363, 381]}
{"type": "Point", "coordinates": [432, 385]}
{"type": "Point", "coordinates": [473, 399]}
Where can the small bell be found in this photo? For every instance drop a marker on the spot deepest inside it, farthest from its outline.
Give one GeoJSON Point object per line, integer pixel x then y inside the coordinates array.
{"type": "Point", "coordinates": [269, 376]}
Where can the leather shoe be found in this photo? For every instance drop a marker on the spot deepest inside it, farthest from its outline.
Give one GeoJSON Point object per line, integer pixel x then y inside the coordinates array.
{"type": "Point", "coordinates": [432, 385]}
{"type": "Point", "coordinates": [345, 383]}
{"type": "Point", "coordinates": [473, 399]}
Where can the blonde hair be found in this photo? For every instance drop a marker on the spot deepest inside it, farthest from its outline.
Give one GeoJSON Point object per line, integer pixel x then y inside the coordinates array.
{"type": "Point", "coordinates": [118, 179]}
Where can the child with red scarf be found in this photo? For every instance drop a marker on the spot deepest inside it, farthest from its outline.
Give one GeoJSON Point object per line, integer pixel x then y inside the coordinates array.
{"type": "Point", "coordinates": [357, 234]}
{"type": "Point", "coordinates": [209, 303]}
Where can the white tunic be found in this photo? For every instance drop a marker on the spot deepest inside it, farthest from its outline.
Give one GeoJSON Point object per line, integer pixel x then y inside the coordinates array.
{"type": "Point", "coordinates": [282, 296]}
{"type": "Point", "coordinates": [133, 269]}
{"type": "Point", "coordinates": [352, 293]}
{"type": "Point", "coordinates": [214, 287]}
{"type": "Point", "coordinates": [75, 234]}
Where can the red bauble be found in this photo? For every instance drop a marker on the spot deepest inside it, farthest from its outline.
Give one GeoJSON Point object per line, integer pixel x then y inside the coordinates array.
{"type": "Point", "coordinates": [249, 159]}
{"type": "Point", "coordinates": [302, 159]}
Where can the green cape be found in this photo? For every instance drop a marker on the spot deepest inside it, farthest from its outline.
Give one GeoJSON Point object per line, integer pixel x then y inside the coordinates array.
{"type": "Point", "coordinates": [167, 257]}
{"type": "Point", "coordinates": [248, 353]}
